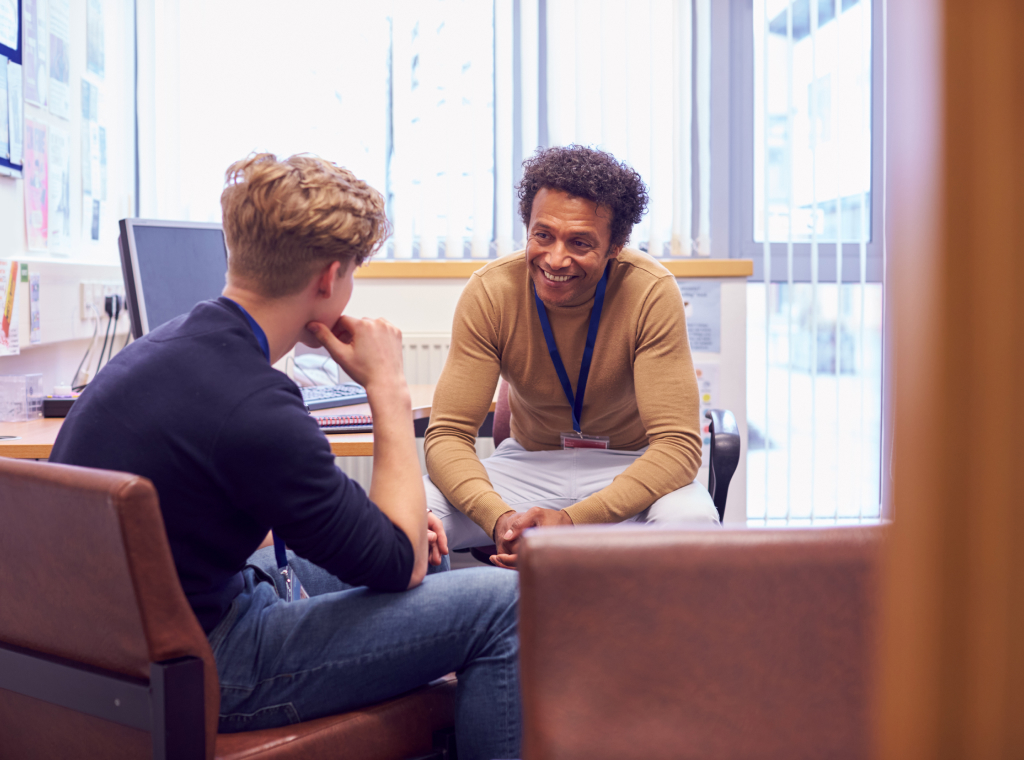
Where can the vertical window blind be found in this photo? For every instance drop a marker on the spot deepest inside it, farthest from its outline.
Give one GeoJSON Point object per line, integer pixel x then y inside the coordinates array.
{"type": "Point", "coordinates": [814, 319]}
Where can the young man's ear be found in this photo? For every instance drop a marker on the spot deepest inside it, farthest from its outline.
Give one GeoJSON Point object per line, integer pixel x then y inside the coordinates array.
{"type": "Point", "coordinates": [327, 279]}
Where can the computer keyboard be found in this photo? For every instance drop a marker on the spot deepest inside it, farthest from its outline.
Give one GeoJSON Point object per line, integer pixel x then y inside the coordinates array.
{"type": "Point", "coordinates": [327, 396]}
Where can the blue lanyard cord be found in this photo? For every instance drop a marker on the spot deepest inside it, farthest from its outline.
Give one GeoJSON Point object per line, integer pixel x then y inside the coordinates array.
{"type": "Point", "coordinates": [575, 403]}
{"type": "Point", "coordinates": [261, 338]}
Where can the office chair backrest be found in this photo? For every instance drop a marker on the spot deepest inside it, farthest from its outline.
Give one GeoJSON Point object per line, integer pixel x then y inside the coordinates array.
{"type": "Point", "coordinates": [87, 576]}
{"type": "Point", "coordinates": [712, 643]}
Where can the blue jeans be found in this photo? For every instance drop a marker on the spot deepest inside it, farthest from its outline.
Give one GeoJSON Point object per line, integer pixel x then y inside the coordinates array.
{"type": "Point", "coordinates": [343, 648]}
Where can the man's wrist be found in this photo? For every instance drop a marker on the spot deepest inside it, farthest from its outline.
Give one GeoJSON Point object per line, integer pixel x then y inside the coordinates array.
{"type": "Point", "coordinates": [497, 524]}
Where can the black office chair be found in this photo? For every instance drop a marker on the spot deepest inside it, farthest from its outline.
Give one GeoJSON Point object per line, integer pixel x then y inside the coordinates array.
{"type": "Point", "coordinates": [724, 455]}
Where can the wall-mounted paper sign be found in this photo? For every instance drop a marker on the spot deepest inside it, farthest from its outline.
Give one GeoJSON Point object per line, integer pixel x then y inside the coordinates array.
{"type": "Point", "coordinates": [702, 302]}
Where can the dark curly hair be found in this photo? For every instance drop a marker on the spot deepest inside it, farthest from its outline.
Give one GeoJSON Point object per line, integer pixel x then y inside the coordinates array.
{"type": "Point", "coordinates": [586, 173]}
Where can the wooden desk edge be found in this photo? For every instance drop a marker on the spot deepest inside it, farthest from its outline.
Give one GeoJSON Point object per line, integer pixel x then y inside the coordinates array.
{"type": "Point", "coordinates": [342, 444]}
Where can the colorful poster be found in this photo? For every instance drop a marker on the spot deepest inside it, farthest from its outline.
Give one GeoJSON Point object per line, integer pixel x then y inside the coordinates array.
{"type": "Point", "coordinates": [36, 53]}
{"type": "Point", "coordinates": [9, 23]}
{"type": "Point", "coordinates": [60, 58]}
{"type": "Point", "coordinates": [36, 195]}
{"type": "Point", "coordinates": [707, 389]}
{"type": "Point", "coordinates": [9, 308]}
{"type": "Point", "coordinates": [15, 116]}
{"type": "Point", "coordinates": [5, 139]}
{"type": "Point", "coordinates": [94, 50]}
{"type": "Point", "coordinates": [60, 191]}
{"type": "Point", "coordinates": [702, 302]}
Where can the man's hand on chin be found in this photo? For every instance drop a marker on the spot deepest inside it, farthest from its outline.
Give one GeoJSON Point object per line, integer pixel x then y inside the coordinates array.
{"type": "Point", "coordinates": [510, 527]}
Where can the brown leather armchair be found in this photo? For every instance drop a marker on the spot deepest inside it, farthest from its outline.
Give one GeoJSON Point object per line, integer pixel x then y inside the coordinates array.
{"type": "Point", "coordinates": [101, 656]}
{"type": "Point", "coordinates": [719, 643]}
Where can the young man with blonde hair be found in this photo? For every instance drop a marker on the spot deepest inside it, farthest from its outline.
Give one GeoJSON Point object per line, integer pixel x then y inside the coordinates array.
{"type": "Point", "coordinates": [196, 407]}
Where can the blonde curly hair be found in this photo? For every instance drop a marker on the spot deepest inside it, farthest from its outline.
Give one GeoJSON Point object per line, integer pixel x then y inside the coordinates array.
{"type": "Point", "coordinates": [284, 220]}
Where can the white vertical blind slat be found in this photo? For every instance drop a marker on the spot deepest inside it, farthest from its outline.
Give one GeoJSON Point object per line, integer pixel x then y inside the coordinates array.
{"type": "Point", "coordinates": [682, 100]}
{"type": "Point", "coordinates": [503, 115]}
{"type": "Point", "coordinates": [767, 260]}
{"type": "Point", "coordinates": [789, 262]}
{"type": "Point", "coordinates": [529, 51]}
{"type": "Point", "coordinates": [401, 119]}
{"type": "Point", "coordinates": [661, 179]}
{"type": "Point", "coordinates": [813, 114]}
{"type": "Point", "coordinates": [702, 76]}
{"type": "Point", "coordinates": [481, 135]}
{"type": "Point", "coordinates": [835, 134]}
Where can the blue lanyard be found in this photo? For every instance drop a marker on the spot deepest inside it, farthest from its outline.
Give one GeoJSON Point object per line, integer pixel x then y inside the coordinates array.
{"type": "Point", "coordinates": [575, 404]}
{"type": "Point", "coordinates": [261, 338]}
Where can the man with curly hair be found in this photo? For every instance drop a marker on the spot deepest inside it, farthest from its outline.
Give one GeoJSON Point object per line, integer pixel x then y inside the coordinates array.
{"type": "Point", "coordinates": [591, 338]}
{"type": "Point", "coordinates": [196, 407]}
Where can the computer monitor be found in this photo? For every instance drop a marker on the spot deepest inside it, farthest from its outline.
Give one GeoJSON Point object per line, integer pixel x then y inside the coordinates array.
{"type": "Point", "coordinates": [168, 268]}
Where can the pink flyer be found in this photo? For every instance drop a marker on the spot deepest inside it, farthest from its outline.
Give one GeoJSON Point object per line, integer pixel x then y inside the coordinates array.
{"type": "Point", "coordinates": [35, 169]}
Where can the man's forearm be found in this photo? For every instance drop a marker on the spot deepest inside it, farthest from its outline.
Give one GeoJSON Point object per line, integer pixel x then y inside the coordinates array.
{"type": "Point", "coordinates": [396, 487]}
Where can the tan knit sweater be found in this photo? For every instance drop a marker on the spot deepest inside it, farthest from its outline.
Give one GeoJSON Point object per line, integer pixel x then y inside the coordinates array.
{"type": "Point", "coordinates": [641, 390]}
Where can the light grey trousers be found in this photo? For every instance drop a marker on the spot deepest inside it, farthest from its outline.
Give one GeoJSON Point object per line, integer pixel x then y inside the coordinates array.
{"type": "Point", "coordinates": [558, 479]}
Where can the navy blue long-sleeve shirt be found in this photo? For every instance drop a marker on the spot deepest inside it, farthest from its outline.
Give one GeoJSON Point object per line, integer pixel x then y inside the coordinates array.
{"type": "Point", "coordinates": [195, 407]}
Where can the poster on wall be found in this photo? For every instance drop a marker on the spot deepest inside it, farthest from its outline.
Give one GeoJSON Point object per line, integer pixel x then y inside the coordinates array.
{"type": "Point", "coordinates": [34, 331]}
{"type": "Point", "coordinates": [9, 345]}
{"type": "Point", "coordinates": [60, 58]}
{"type": "Point", "coordinates": [9, 23]}
{"type": "Point", "coordinates": [94, 50]}
{"type": "Point", "coordinates": [702, 302]}
{"type": "Point", "coordinates": [36, 195]}
{"type": "Point", "coordinates": [5, 139]}
{"type": "Point", "coordinates": [36, 56]}
{"type": "Point", "coordinates": [707, 389]}
{"type": "Point", "coordinates": [16, 116]}
{"type": "Point", "coordinates": [59, 191]}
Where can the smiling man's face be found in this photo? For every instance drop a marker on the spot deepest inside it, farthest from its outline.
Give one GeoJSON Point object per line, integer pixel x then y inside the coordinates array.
{"type": "Point", "coordinates": [567, 247]}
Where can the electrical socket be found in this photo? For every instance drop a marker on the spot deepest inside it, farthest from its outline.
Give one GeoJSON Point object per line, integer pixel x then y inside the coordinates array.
{"type": "Point", "coordinates": [94, 292]}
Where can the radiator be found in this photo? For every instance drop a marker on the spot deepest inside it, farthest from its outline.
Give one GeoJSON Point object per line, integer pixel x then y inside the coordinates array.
{"type": "Point", "coordinates": [423, 355]}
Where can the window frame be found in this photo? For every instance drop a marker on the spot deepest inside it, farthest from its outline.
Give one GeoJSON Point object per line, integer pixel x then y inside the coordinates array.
{"type": "Point", "coordinates": [742, 162]}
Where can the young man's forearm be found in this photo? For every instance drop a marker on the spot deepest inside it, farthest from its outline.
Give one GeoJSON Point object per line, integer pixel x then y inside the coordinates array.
{"type": "Point", "coordinates": [397, 486]}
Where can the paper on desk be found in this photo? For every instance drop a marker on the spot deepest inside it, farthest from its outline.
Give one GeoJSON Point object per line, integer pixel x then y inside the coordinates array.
{"type": "Point", "coordinates": [60, 191]}
{"type": "Point", "coordinates": [9, 308]}
{"type": "Point", "coordinates": [9, 23]}
{"type": "Point", "coordinates": [60, 58]}
{"type": "Point", "coordinates": [36, 53]}
{"type": "Point", "coordinates": [15, 115]}
{"type": "Point", "coordinates": [36, 194]}
{"type": "Point", "coordinates": [707, 389]}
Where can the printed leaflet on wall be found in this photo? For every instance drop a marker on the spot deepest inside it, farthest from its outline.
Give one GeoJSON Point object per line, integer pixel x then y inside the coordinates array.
{"type": "Point", "coordinates": [5, 140]}
{"type": "Point", "coordinates": [9, 23]}
{"type": "Point", "coordinates": [36, 195]}
{"type": "Point", "coordinates": [60, 58]}
{"type": "Point", "coordinates": [16, 118]}
{"type": "Point", "coordinates": [36, 54]}
{"type": "Point", "coordinates": [60, 191]}
{"type": "Point", "coordinates": [702, 301]}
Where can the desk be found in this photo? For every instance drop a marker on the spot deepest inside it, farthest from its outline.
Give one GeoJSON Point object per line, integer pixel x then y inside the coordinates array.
{"type": "Point", "coordinates": [36, 437]}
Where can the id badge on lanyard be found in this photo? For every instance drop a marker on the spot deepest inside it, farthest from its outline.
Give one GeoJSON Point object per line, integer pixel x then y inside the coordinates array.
{"type": "Point", "coordinates": [576, 439]}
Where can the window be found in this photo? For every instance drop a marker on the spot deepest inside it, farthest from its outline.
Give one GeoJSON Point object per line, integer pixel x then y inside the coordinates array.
{"type": "Point", "coordinates": [808, 211]}
{"type": "Point", "coordinates": [435, 103]}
